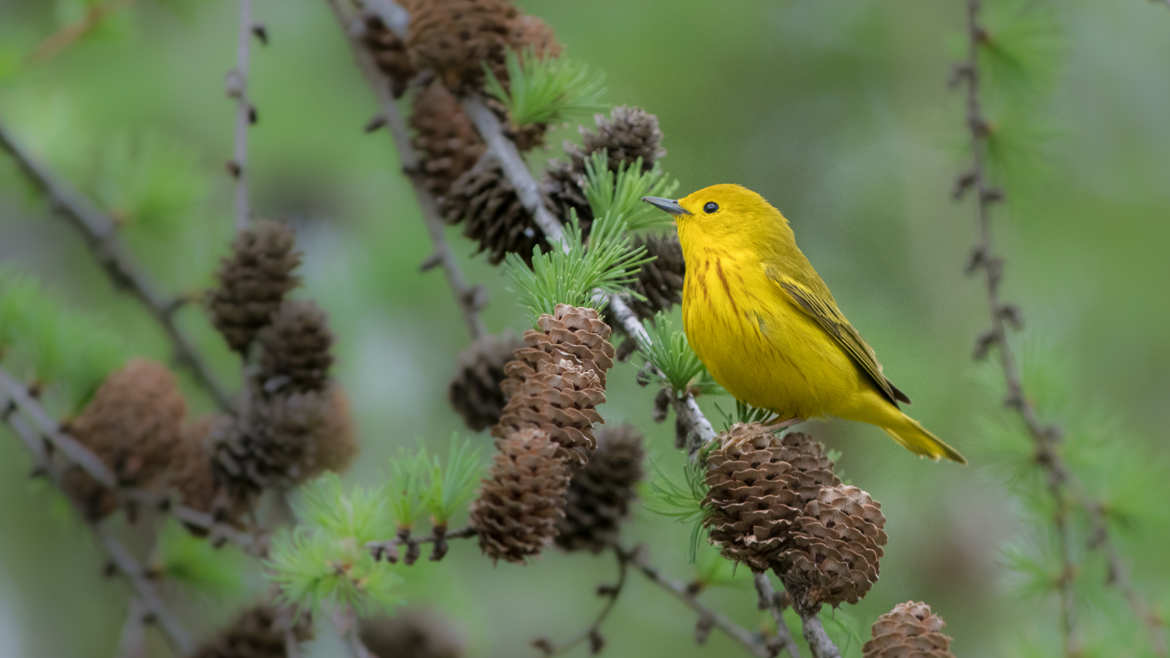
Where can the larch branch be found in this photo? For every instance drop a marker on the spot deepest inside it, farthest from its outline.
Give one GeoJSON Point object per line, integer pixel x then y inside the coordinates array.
{"type": "Point", "coordinates": [469, 298]}
{"type": "Point", "coordinates": [101, 236]}
{"type": "Point", "coordinates": [237, 88]}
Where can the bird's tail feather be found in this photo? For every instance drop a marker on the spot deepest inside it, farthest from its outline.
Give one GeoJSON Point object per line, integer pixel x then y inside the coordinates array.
{"type": "Point", "coordinates": [917, 439]}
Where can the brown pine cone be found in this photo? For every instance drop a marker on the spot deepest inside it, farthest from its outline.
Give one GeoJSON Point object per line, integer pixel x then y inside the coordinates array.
{"type": "Point", "coordinates": [275, 443]}
{"type": "Point", "coordinates": [757, 485]}
{"type": "Point", "coordinates": [444, 137]}
{"type": "Point", "coordinates": [411, 633]}
{"type": "Point", "coordinates": [910, 630]}
{"type": "Point", "coordinates": [494, 216]}
{"type": "Point", "coordinates": [627, 134]}
{"type": "Point", "coordinates": [523, 499]}
{"type": "Point", "coordinates": [191, 475]}
{"type": "Point", "coordinates": [560, 399]}
{"type": "Point", "coordinates": [475, 390]}
{"type": "Point", "coordinates": [295, 349]}
{"type": "Point", "coordinates": [252, 282]}
{"type": "Point", "coordinates": [389, 54]}
{"type": "Point", "coordinates": [556, 381]}
{"type": "Point", "coordinates": [835, 548]}
{"type": "Point", "coordinates": [599, 495]}
{"type": "Point", "coordinates": [133, 424]}
{"type": "Point", "coordinates": [530, 32]}
{"type": "Point", "coordinates": [456, 38]}
{"type": "Point", "coordinates": [661, 280]}
{"type": "Point", "coordinates": [571, 332]}
{"type": "Point", "coordinates": [256, 633]}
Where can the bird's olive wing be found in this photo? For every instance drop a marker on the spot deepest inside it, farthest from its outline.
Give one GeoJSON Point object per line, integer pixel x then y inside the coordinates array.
{"type": "Point", "coordinates": [829, 317]}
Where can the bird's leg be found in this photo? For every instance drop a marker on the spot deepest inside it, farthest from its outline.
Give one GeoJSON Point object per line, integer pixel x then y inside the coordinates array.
{"type": "Point", "coordinates": [781, 423]}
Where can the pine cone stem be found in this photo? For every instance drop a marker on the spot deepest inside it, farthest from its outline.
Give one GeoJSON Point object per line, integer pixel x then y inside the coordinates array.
{"type": "Point", "coordinates": [770, 600]}
{"type": "Point", "coordinates": [818, 640]}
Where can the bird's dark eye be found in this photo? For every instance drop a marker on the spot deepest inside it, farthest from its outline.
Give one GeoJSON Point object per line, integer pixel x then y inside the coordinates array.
{"type": "Point", "coordinates": [710, 207]}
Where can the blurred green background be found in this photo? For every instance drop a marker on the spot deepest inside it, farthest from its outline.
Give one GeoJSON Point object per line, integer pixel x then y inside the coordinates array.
{"type": "Point", "coordinates": [837, 112]}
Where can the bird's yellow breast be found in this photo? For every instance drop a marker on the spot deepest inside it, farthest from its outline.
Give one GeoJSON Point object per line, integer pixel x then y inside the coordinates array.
{"type": "Point", "coordinates": [756, 344]}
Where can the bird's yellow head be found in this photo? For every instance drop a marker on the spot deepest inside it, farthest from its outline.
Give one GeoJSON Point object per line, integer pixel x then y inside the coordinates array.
{"type": "Point", "coordinates": [726, 215]}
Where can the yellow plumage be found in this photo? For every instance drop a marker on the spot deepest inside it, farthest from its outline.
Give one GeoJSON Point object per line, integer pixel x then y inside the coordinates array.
{"type": "Point", "coordinates": [767, 327]}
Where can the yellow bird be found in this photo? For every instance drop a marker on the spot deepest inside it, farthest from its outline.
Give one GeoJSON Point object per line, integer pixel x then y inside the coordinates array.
{"type": "Point", "coordinates": [768, 329]}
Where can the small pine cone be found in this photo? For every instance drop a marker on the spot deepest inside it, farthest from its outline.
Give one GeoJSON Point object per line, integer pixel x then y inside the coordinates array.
{"type": "Point", "coordinates": [475, 390]}
{"type": "Point", "coordinates": [252, 282]}
{"type": "Point", "coordinates": [411, 633]}
{"type": "Point", "coordinates": [627, 134]}
{"type": "Point", "coordinates": [494, 216]}
{"type": "Point", "coordinates": [191, 475]}
{"type": "Point", "coordinates": [560, 399]}
{"type": "Point", "coordinates": [571, 332]}
{"type": "Point", "coordinates": [456, 38]}
{"type": "Point", "coordinates": [599, 495]}
{"type": "Point", "coordinates": [389, 54]}
{"type": "Point", "coordinates": [256, 633]}
{"type": "Point", "coordinates": [563, 185]}
{"type": "Point", "coordinates": [910, 630]}
{"type": "Point", "coordinates": [757, 485]}
{"type": "Point", "coordinates": [556, 381]}
{"type": "Point", "coordinates": [295, 352]}
{"type": "Point", "coordinates": [337, 441]}
{"type": "Point", "coordinates": [522, 501]}
{"type": "Point", "coordinates": [274, 443]}
{"type": "Point", "coordinates": [661, 280]}
{"type": "Point", "coordinates": [835, 549]}
{"type": "Point", "coordinates": [444, 137]}
{"type": "Point", "coordinates": [133, 424]}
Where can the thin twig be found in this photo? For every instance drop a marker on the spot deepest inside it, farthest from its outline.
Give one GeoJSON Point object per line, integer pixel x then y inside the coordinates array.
{"type": "Point", "coordinates": [1046, 438]}
{"type": "Point", "coordinates": [387, 549]}
{"type": "Point", "coordinates": [753, 642]}
{"type": "Point", "coordinates": [771, 601]}
{"type": "Point", "coordinates": [470, 299]}
{"type": "Point", "coordinates": [592, 633]}
{"type": "Point", "coordinates": [237, 88]}
{"type": "Point", "coordinates": [818, 640]}
{"type": "Point", "coordinates": [121, 560]}
{"type": "Point", "coordinates": [100, 233]}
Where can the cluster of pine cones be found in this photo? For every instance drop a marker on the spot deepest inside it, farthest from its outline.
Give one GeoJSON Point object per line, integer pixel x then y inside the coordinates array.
{"type": "Point", "coordinates": [552, 478]}
{"type": "Point", "coordinates": [775, 503]}
{"type": "Point", "coordinates": [291, 422]}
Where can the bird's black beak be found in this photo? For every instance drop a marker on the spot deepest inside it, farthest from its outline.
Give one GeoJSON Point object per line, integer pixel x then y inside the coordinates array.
{"type": "Point", "coordinates": [668, 205]}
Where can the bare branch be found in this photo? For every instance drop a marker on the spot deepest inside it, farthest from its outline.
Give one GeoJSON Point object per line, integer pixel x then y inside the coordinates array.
{"type": "Point", "coordinates": [100, 233]}
{"type": "Point", "coordinates": [471, 299]}
{"type": "Point", "coordinates": [754, 643]}
{"type": "Point", "coordinates": [592, 632]}
{"type": "Point", "coordinates": [237, 88]}
{"type": "Point", "coordinates": [1046, 438]}
{"type": "Point", "coordinates": [387, 549]}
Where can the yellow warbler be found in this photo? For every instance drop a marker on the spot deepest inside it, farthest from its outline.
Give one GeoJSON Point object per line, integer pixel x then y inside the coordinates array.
{"type": "Point", "coordinates": [766, 326]}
